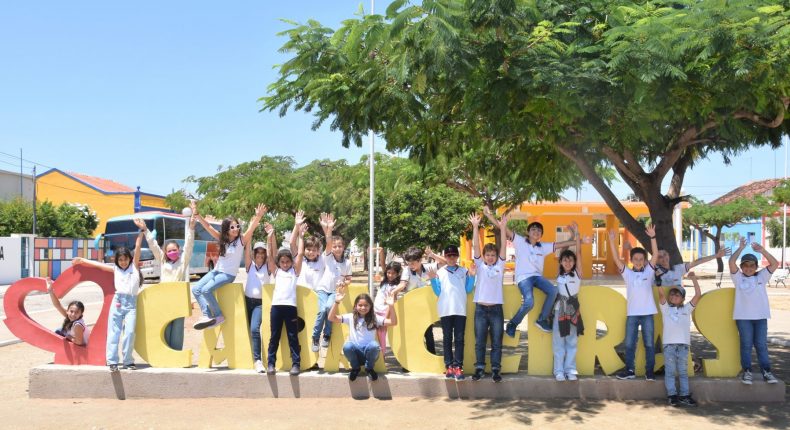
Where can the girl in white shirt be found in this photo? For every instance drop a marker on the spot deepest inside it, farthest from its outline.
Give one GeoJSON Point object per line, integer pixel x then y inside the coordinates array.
{"type": "Point", "coordinates": [73, 328]}
{"type": "Point", "coordinates": [231, 251]}
{"type": "Point", "coordinates": [392, 279]}
{"type": "Point", "coordinates": [567, 325]}
{"type": "Point", "coordinates": [257, 277]}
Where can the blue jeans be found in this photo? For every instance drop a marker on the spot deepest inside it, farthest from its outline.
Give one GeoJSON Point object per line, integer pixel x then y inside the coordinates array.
{"type": "Point", "coordinates": [676, 361]}
{"type": "Point", "coordinates": [254, 317]}
{"type": "Point", "coordinates": [754, 333]}
{"type": "Point", "coordinates": [528, 302]}
{"type": "Point", "coordinates": [632, 324]}
{"type": "Point", "coordinates": [123, 317]}
{"type": "Point", "coordinates": [204, 292]}
{"type": "Point", "coordinates": [357, 355]}
{"type": "Point", "coordinates": [564, 350]}
{"type": "Point", "coordinates": [453, 335]}
{"type": "Point", "coordinates": [284, 314]}
{"type": "Point", "coordinates": [325, 302]}
{"type": "Point", "coordinates": [489, 321]}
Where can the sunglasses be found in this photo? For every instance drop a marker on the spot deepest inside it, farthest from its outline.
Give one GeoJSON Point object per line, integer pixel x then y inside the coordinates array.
{"type": "Point", "coordinates": [235, 227]}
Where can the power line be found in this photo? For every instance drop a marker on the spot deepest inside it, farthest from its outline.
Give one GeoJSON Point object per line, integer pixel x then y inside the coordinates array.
{"type": "Point", "coordinates": [16, 157]}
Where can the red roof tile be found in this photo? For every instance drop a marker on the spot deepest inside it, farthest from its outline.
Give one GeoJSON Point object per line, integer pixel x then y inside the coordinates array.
{"type": "Point", "coordinates": [105, 185]}
{"type": "Point", "coordinates": [754, 188]}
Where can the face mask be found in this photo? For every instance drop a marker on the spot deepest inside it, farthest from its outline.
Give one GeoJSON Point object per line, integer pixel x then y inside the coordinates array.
{"type": "Point", "coordinates": [173, 255]}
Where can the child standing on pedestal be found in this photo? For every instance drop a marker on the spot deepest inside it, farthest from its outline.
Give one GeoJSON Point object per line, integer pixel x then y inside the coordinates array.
{"type": "Point", "coordinates": [257, 276]}
{"type": "Point", "coordinates": [568, 324]}
{"type": "Point", "coordinates": [336, 273]}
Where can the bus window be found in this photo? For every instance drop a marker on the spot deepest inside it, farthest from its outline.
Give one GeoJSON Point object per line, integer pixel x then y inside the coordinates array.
{"type": "Point", "coordinates": [174, 229]}
{"type": "Point", "coordinates": [202, 234]}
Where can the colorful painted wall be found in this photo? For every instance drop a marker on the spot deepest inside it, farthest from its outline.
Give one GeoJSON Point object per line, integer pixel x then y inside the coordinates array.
{"type": "Point", "coordinates": [52, 256]}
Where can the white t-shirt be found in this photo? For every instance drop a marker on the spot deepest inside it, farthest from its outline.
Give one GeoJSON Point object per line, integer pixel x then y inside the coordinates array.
{"type": "Point", "coordinates": [229, 263]}
{"type": "Point", "coordinates": [312, 271]}
{"type": "Point", "coordinates": [127, 281]}
{"type": "Point", "coordinates": [489, 280]}
{"type": "Point", "coordinates": [284, 288]}
{"type": "Point", "coordinates": [674, 276]}
{"type": "Point", "coordinates": [417, 280]}
{"type": "Point", "coordinates": [257, 277]}
{"type": "Point", "coordinates": [333, 271]}
{"type": "Point", "coordinates": [529, 258]}
{"type": "Point", "coordinates": [573, 284]}
{"type": "Point", "coordinates": [639, 291]}
{"type": "Point", "coordinates": [360, 335]}
{"type": "Point", "coordinates": [452, 298]}
{"type": "Point", "coordinates": [380, 302]}
{"type": "Point", "coordinates": [677, 324]}
{"type": "Point", "coordinates": [751, 297]}
{"type": "Point", "coordinates": [84, 331]}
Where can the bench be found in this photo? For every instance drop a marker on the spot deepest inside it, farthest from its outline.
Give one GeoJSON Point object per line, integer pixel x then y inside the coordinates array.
{"type": "Point", "coordinates": [779, 277]}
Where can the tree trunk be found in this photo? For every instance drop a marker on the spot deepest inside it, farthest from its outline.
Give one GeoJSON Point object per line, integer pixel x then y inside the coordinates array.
{"type": "Point", "coordinates": [661, 216]}
{"type": "Point", "coordinates": [716, 247]}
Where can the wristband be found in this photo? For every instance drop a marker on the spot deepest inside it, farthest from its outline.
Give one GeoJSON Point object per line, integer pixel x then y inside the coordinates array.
{"type": "Point", "coordinates": [336, 302]}
{"type": "Point", "coordinates": [652, 237]}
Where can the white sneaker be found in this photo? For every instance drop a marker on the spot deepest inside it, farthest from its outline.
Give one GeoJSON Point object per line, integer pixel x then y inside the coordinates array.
{"type": "Point", "coordinates": [560, 377]}
{"type": "Point", "coordinates": [770, 378]}
{"type": "Point", "coordinates": [746, 377]}
{"type": "Point", "coordinates": [572, 377]}
{"type": "Point", "coordinates": [203, 323]}
{"type": "Point", "coordinates": [217, 321]}
{"type": "Point", "coordinates": [259, 366]}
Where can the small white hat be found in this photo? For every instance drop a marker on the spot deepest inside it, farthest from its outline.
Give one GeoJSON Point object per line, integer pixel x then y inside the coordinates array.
{"type": "Point", "coordinates": [258, 245]}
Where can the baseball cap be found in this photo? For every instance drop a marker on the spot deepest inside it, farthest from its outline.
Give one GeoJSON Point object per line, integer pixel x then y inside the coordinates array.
{"type": "Point", "coordinates": [258, 245]}
{"type": "Point", "coordinates": [681, 290]}
{"type": "Point", "coordinates": [451, 250]}
{"type": "Point", "coordinates": [749, 257]}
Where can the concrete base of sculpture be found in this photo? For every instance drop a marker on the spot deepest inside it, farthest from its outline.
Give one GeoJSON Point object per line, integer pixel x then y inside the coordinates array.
{"type": "Point", "coordinates": [68, 382]}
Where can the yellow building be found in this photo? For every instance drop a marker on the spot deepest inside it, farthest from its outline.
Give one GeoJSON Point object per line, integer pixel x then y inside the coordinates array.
{"type": "Point", "coordinates": [107, 198]}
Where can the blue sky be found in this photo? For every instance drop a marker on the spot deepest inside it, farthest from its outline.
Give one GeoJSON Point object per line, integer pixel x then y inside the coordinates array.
{"type": "Point", "coordinates": [148, 93]}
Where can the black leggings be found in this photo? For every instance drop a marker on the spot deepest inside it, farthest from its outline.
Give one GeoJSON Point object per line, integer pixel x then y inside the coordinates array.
{"type": "Point", "coordinates": [284, 314]}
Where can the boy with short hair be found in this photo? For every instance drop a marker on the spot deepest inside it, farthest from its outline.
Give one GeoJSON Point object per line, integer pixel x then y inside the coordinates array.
{"type": "Point", "coordinates": [751, 310]}
{"type": "Point", "coordinates": [530, 255]}
{"type": "Point", "coordinates": [676, 338]}
{"type": "Point", "coordinates": [337, 272]}
{"type": "Point", "coordinates": [415, 275]}
{"type": "Point", "coordinates": [640, 303]}
{"type": "Point", "coordinates": [312, 271]}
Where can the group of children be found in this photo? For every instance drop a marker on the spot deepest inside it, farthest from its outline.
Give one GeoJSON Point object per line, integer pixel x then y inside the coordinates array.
{"type": "Point", "coordinates": [328, 273]}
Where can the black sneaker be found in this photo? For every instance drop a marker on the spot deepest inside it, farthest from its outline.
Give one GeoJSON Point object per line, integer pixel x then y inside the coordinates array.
{"type": "Point", "coordinates": [372, 374]}
{"type": "Point", "coordinates": [294, 370]}
{"type": "Point", "coordinates": [113, 368]}
{"type": "Point", "coordinates": [130, 366]}
{"type": "Point", "coordinates": [314, 346]}
{"type": "Point", "coordinates": [672, 400]}
{"type": "Point", "coordinates": [650, 376]}
{"type": "Point", "coordinates": [769, 377]}
{"type": "Point", "coordinates": [352, 375]}
{"type": "Point", "coordinates": [478, 374]}
{"type": "Point", "coordinates": [687, 401]}
{"type": "Point", "coordinates": [270, 369]}
{"type": "Point", "coordinates": [543, 325]}
{"type": "Point", "coordinates": [625, 374]}
{"type": "Point", "coordinates": [497, 377]}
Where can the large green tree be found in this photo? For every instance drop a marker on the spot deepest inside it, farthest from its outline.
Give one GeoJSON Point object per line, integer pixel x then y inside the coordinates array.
{"type": "Point", "coordinates": [557, 87]}
{"type": "Point", "coordinates": [64, 220]}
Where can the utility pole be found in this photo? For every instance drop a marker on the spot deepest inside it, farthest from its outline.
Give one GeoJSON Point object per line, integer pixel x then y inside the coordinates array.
{"type": "Point", "coordinates": [34, 201]}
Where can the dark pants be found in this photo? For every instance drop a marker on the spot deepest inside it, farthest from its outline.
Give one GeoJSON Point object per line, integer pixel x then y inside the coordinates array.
{"type": "Point", "coordinates": [254, 308]}
{"type": "Point", "coordinates": [430, 343]}
{"type": "Point", "coordinates": [453, 335]}
{"type": "Point", "coordinates": [489, 321]}
{"type": "Point", "coordinates": [284, 314]}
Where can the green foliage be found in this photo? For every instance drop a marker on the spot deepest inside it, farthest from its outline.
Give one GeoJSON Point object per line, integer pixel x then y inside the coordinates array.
{"type": "Point", "coordinates": [782, 193]}
{"type": "Point", "coordinates": [65, 220]}
{"type": "Point", "coordinates": [177, 200]}
{"type": "Point", "coordinates": [774, 226]}
{"type": "Point", "coordinates": [707, 216]}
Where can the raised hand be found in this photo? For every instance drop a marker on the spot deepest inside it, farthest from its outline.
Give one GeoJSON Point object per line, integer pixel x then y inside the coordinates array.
{"type": "Point", "coordinates": [691, 275]}
{"type": "Point", "coordinates": [651, 231]}
{"type": "Point", "coordinates": [474, 219]}
{"type": "Point", "coordinates": [473, 269]}
{"type": "Point", "coordinates": [140, 224]}
{"type": "Point", "coordinates": [612, 236]}
{"type": "Point", "coordinates": [268, 228]}
{"type": "Point", "coordinates": [299, 218]}
{"type": "Point", "coordinates": [574, 228]}
{"type": "Point", "coordinates": [261, 210]}
{"type": "Point", "coordinates": [328, 221]}
{"type": "Point", "coordinates": [757, 247]}
{"type": "Point", "coordinates": [432, 273]}
{"type": "Point", "coordinates": [429, 252]}
{"type": "Point", "coordinates": [742, 243]}
{"type": "Point", "coordinates": [587, 240]}
{"type": "Point", "coordinates": [390, 299]}
{"type": "Point", "coordinates": [303, 229]}
{"type": "Point", "coordinates": [503, 221]}
{"type": "Point", "coordinates": [340, 292]}
{"type": "Point", "coordinates": [722, 252]}
{"type": "Point", "coordinates": [193, 206]}
{"type": "Point", "coordinates": [192, 222]}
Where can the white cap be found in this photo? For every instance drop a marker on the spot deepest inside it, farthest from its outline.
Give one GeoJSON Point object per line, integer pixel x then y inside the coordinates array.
{"type": "Point", "coordinates": [258, 245]}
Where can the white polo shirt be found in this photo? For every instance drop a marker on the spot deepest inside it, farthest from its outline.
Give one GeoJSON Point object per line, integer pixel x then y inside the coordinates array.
{"type": "Point", "coordinates": [126, 281]}
{"type": "Point", "coordinates": [673, 276]}
{"type": "Point", "coordinates": [489, 280]}
{"type": "Point", "coordinates": [312, 271]}
{"type": "Point", "coordinates": [417, 280]}
{"type": "Point", "coordinates": [333, 271]}
{"type": "Point", "coordinates": [231, 261]}
{"type": "Point", "coordinates": [751, 297]}
{"type": "Point", "coordinates": [677, 324]}
{"type": "Point", "coordinates": [529, 258]}
{"type": "Point", "coordinates": [573, 284]}
{"type": "Point", "coordinates": [639, 291]}
{"type": "Point", "coordinates": [284, 288]}
{"type": "Point", "coordinates": [359, 334]}
{"type": "Point", "coordinates": [452, 298]}
{"type": "Point", "coordinates": [257, 277]}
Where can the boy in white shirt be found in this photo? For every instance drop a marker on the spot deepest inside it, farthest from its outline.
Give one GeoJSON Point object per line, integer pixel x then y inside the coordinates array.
{"type": "Point", "coordinates": [337, 273]}
{"type": "Point", "coordinates": [640, 303]}
{"type": "Point", "coordinates": [415, 275]}
{"type": "Point", "coordinates": [751, 310]}
{"type": "Point", "coordinates": [312, 271]}
{"type": "Point", "coordinates": [676, 338]}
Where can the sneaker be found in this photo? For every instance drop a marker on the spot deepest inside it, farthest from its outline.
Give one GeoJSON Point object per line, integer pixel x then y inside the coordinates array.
{"type": "Point", "coordinates": [113, 368]}
{"type": "Point", "coordinates": [687, 401]}
{"type": "Point", "coordinates": [650, 376]}
{"type": "Point", "coordinates": [625, 374]}
{"type": "Point", "coordinates": [510, 329]}
{"type": "Point", "coordinates": [270, 369]}
{"type": "Point", "coordinates": [560, 377]}
{"type": "Point", "coordinates": [672, 400]}
{"type": "Point", "coordinates": [217, 321]}
{"type": "Point", "coordinates": [204, 322]}
{"type": "Point", "coordinates": [459, 374]}
{"type": "Point", "coordinates": [130, 366]}
{"type": "Point", "coordinates": [571, 377]}
{"type": "Point", "coordinates": [352, 375]}
{"type": "Point", "coordinates": [294, 370]}
{"type": "Point", "coordinates": [314, 347]}
{"type": "Point", "coordinates": [449, 373]}
{"type": "Point", "coordinates": [478, 374]}
{"type": "Point", "coordinates": [770, 378]}
{"type": "Point", "coordinates": [543, 325]}
{"type": "Point", "coordinates": [497, 377]}
{"type": "Point", "coordinates": [746, 377]}
{"type": "Point", "coordinates": [372, 374]}
{"type": "Point", "coordinates": [259, 366]}
{"type": "Point", "coordinates": [325, 342]}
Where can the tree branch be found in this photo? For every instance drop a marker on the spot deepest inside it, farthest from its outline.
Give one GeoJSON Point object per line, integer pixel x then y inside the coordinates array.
{"type": "Point", "coordinates": [678, 149]}
{"type": "Point", "coordinates": [626, 171]}
{"type": "Point", "coordinates": [757, 119]}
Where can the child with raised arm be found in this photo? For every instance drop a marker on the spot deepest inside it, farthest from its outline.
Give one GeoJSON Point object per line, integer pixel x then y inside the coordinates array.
{"type": "Point", "coordinates": [639, 303]}
{"type": "Point", "coordinates": [489, 315]}
{"type": "Point", "coordinates": [337, 272]}
{"type": "Point", "coordinates": [415, 275]}
{"type": "Point", "coordinates": [568, 324]}
{"type": "Point", "coordinates": [73, 328]}
{"type": "Point", "coordinates": [173, 267]}
{"type": "Point", "coordinates": [284, 269]}
{"type": "Point", "coordinates": [231, 252]}
{"type": "Point", "coordinates": [668, 275]}
{"type": "Point", "coordinates": [361, 346]}
{"type": "Point", "coordinates": [123, 310]}
{"type": "Point", "coordinates": [388, 287]}
{"type": "Point", "coordinates": [313, 268]}
{"type": "Point", "coordinates": [257, 277]}
{"type": "Point", "coordinates": [451, 284]}
{"type": "Point", "coordinates": [751, 310]}
{"type": "Point", "coordinates": [530, 255]}
{"type": "Point", "coordinates": [676, 339]}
